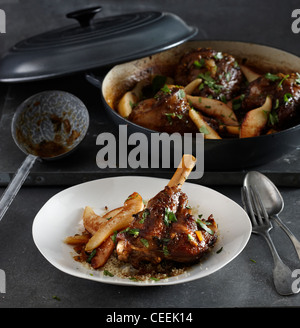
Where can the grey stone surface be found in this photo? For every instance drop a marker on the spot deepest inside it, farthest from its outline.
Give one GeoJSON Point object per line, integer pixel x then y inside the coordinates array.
{"type": "Point", "coordinates": [30, 280]}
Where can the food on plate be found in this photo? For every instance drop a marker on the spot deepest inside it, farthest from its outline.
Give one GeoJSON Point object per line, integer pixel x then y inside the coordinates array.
{"type": "Point", "coordinates": [160, 237]}
{"type": "Point", "coordinates": [226, 94]}
{"type": "Point", "coordinates": [133, 204]}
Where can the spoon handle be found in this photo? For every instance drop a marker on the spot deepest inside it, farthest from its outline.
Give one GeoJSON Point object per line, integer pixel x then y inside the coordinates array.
{"type": "Point", "coordinates": [16, 183]}
{"type": "Point", "coordinates": [292, 237]}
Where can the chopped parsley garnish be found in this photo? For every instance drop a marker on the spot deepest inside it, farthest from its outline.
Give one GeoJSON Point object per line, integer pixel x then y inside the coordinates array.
{"type": "Point", "coordinates": [237, 103]}
{"type": "Point", "coordinates": [170, 116]}
{"type": "Point", "coordinates": [114, 236]}
{"type": "Point", "coordinates": [144, 242]}
{"type": "Point", "coordinates": [280, 83]}
{"type": "Point", "coordinates": [276, 104]}
{"type": "Point", "coordinates": [287, 98]}
{"type": "Point", "coordinates": [298, 78]}
{"type": "Point", "coordinates": [223, 99]}
{"type": "Point", "coordinates": [203, 129]}
{"type": "Point", "coordinates": [181, 94]}
{"type": "Point", "coordinates": [273, 118]}
{"type": "Point", "coordinates": [165, 89]}
{"type": "Point", "coordinates": [190, 237]}
{"type": "Point", "coordinates": [144, 215]}
{"type": "Point", "coordinates": [272, 77]}
{"type": "Point", "coordinates": [210, 82]}
{"type": "Point", "coordinates": [166, 251]}
{"type": "Point", "coordinates": [93, 253]}
{"type": "Point", "coordinates": [169, 217]}
{"type": "Point", "coordinates": [134, 232]}
{"type": "Point", "coordinates": [107, 273]}
{"type": "Point", "coordinates": [219, 55]}
{"type": "Point", "coordinates": [199, 63]}
{"type": "Point", "coordinates": [204, 226]}
{"type": "Point", "coordinates": [155, 279]}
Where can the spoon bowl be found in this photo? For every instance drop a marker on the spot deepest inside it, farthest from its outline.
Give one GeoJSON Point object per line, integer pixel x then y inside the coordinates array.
{"type": "Point", "coordinates": [49, 126]}
{"type": "Point", "coordinates": [269, 193]}
{"type": "Point", "coordinates": [272, 201]}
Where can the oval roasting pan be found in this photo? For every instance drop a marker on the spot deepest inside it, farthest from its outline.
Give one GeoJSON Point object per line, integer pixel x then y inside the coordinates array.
{"type": "Point", "coordinates": [224, 154]}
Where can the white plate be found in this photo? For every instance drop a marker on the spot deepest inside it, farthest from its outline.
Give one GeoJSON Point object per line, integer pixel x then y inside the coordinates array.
{"type": "Point", "coordinates": [61, 216]}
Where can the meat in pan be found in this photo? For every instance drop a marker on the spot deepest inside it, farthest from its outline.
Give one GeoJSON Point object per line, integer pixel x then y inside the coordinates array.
{"type": "Point", "coordinates": [167, 111]}
{"type": "Point", "coordinates": [220, 73]}
{"type": "Point", "coordinates": [167, 230]}
{"type": "Point", "coordinates": [285, 93]}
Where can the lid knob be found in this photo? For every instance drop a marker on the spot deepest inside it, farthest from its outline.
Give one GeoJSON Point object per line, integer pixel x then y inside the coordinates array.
{"type": "Point", "coordinates": [84, 16]}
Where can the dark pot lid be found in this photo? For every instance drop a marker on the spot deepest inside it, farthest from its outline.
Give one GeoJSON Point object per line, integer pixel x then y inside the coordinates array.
{"type": "Point", "coordinates": [92, 44]}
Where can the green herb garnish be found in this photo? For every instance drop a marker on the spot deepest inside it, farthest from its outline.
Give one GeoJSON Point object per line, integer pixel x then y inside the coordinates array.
{"type": "Point", "coordinates": [181, 94]}
{"type": "Point", "coordinates": [219, 55]}
{"type": "Point", "coordinates": [298, 78]}
{"type": "Point", "coordinates": [165, 89]}
{"type": "Point", "coordinates": [166, 251]}
{"type": "Point", "coordinates": [273, 118]}
{"type": "Point", "coordinates": [134, 232]}
{"type": "Point", "coordinates": [107, 273]}
{"type": "Point", "coordinates": [204, 226]}
{"type": "Point", "coordinates": [93, 253]}
{"type": "Point", "coordinates": [203, 129]}
{"type": "Point", "coordinates": [169, 217]}
{"type": "Point", "coordinates": [287, 98]}
{"type": "Point", "coordinates": [144, 216]}
{"type": "Point", "coordinates": [272, 77]}
{"type": "Point", "coordinates": [280, 83]}
{"type": "Point", "coordinates": [114, 237]}
{"type": "Point", "coordinates": [144, 242]}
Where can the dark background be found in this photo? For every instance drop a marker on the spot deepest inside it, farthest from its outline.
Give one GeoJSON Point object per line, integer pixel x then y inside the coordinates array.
{"type": "Point", "coordinates": [260, 21]}
{"type": "Point", "coordinates": [33, 282]}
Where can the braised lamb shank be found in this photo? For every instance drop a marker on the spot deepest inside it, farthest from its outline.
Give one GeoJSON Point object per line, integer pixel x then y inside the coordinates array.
{"type": "Point", "coordinates": [285, 93]}
{"type": "Point", "coordinates": [167, 111]}
{"type": "Point", "coordinates": [220, 72]}
{"type": "Point", "coordinates": [166, 229]}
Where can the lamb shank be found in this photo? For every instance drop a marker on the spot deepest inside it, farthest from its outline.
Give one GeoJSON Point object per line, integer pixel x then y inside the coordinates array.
{"type": "Point", "coordinates": [220, 72]}
{"type": "Point", "coordinates": [285, 93]}
{"type": "Point", "coordinates": [167, 111]}
{"type": "Point", "coordinates": [166, 229]}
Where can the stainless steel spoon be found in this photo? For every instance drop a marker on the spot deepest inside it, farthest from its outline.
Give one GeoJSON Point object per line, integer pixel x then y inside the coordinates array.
{"type": "Point", "coordinates": [272, 201]}
{"type": "Point", "coordinates": [48, 125]}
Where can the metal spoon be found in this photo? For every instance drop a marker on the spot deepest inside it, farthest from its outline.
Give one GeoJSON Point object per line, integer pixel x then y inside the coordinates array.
{"type": "Point", "coordinates": [48, 125]}
{"type": "Point", "coordinates": [272, 201]}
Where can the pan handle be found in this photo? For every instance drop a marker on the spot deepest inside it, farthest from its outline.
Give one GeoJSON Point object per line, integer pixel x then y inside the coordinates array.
{"type": "Point", "coordinates": [15, 185]}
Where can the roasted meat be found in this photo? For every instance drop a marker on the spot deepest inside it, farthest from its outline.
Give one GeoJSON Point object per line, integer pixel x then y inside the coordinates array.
{"type": "Point", "coordinates": [167, 112]}
{"type": "Point", "coordinates": [285, 93]}
{"type": "Point", "coordinates": [220, 73]}
{"type": "Point", "coordinates": [166, 230]}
